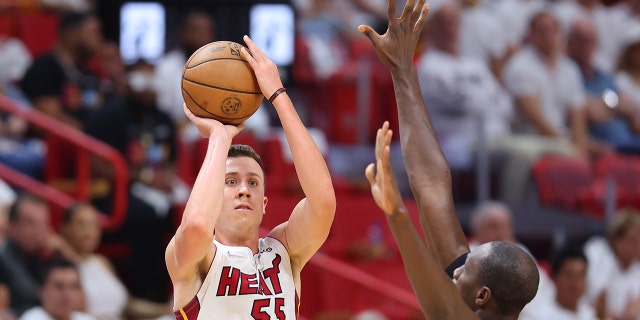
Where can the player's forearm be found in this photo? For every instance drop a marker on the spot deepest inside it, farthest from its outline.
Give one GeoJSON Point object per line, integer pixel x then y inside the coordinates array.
{"type": "Point", "coordinates": [424, 161]}
{"type": "Point", "coordinates": [427, 169]}
{"type": "Point", "coordinates": [205, 202]}
{"type": "Point", "coordinates": [427, 278]}
{"type": "Point", "coordinates": [311, 168]}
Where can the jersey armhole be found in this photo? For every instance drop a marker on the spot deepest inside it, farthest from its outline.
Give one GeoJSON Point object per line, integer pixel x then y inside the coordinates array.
{"type": "Point", "coordinates": [458, 262]}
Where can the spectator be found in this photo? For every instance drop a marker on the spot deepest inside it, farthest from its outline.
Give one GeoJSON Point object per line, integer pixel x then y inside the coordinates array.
{"type": "Point", "coordinates": [493, 221]}
{"type": "Point", "coordinates": [7, 198]}
{"type": "Point", "coordinates": [58, 83]}
{"type": "Point", "coordinates": [610, 27]}
{"type": "Point", "coordinates": [628, 75]}
{"type": "Point", "coordinates": [549, 99]}
{"type": "Point", "coordinates": [612, 115]}
{"type": "Point", "coordinates": [61, 295]}
{"type": "Point", "coordinates": [146, 137]}
{"type": "Point", "coordinates": [461, 91]}
{"type": "Point", "coordinates": [21, 261]}
{"type": "Point", "coordinates": [197, 29]}
{"type": "Point", "coordinates": [569, 274]}
{"type": "Point", "coordinates": [106, 296]}
{"type": "Point", "coordinates": [613, 276]}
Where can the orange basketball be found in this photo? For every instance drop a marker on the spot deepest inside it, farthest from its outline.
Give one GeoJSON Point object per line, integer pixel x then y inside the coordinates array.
{"type": "Point", "coordinates": [217, 83]}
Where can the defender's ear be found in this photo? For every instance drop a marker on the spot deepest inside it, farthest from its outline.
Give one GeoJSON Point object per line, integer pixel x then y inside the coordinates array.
{"type": "Point", "coordinates": [483, 296]}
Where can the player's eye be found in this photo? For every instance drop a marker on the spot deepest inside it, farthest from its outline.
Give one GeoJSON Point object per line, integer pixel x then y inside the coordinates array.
{"type": "Point", "coordinates": [230, 181]}
{"type": "Point", "coordinates": [253, 183]}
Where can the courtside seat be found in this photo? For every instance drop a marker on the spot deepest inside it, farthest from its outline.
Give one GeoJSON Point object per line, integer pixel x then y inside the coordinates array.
{"type": "Point", "coordinates": [625, 171]}
{"type": "Point", "coordinates": [38, 31]}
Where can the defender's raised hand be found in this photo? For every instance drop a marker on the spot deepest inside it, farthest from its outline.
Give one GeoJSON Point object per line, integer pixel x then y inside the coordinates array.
{"type": "Point", "coordinates": [397, 46]}
{"type": "Point", "coordinates": [380, 175]}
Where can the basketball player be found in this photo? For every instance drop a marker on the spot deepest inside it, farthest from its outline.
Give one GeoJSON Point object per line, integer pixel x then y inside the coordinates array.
{"type": "Point", "coordinates": [497, 279]}
{"type": "Point", "coordinates": [219, 266]}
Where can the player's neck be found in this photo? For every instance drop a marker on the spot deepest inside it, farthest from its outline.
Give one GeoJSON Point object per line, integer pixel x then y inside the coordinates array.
{"type": "Point", "coordinates": [237, 240]}
{"type": "Point", "coordinates": [487, 314]}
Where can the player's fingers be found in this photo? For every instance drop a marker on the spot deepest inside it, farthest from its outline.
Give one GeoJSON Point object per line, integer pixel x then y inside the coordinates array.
{"type": "Point", "coordinates": [423, 18]}
{"type": "Point", "coordinates": [244, 53]}
{"type": "Point", "coordinates": [188, 112]}
{"type": "Point", "coordinates": [387, 140]}
{"type": "Point", "coordinates": [253, 48]}
{"type": "Point", "coordinates": [408, 8]}
{"type": "Point", "coordinates": [369, 172]}
{"type": "Point", "coordinates": [370, 33]}
{"type": "Point", "coordinates": [386, 155]}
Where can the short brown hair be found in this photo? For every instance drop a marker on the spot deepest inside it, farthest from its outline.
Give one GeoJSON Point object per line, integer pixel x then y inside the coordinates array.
{"type": "Point", "coordinates": [243, 150]}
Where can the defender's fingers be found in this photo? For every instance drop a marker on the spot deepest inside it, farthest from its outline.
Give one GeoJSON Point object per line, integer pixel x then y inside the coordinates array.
{"type": "Point", "coordinates": [408, 8]}
{"type": "Point", "coordinates": [386, 156]}
{"type": "Point", "coordinates": [423, 18]}
{"type": "Point", "coordinates": [417, 10]}
{"type": "Point", "coordinates": [391, 9]}
{"type": "Point", "coordinates": [370, 33]}
{"type": "Point", "coordinates": [369, 172]}
{"type": "Point", "coordinates": [387, 140]}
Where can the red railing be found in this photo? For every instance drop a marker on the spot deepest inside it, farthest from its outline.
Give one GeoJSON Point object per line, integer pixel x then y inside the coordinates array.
{"type": "Point", "coordinates": [86, 146]}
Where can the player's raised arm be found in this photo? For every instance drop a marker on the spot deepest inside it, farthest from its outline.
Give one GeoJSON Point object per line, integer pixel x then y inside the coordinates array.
{"type": "Point", "coordinates": [194, 238]}
{"type": "Point", "coordinates": [310, 221]}
{"type": "Point", "coordinates": [438, 296]}
{"type": "Point", "coordinates": [427, 168]}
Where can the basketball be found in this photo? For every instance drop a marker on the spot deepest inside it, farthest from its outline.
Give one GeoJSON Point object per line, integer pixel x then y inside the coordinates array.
{"type": "Point", "coordinates": [218, 83]}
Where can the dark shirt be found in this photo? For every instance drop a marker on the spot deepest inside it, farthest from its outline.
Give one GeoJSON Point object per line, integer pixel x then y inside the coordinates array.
{"type": "Point", "coordinates": [79, 90]}
{"type": "Point", "coordinates": [21, 273]}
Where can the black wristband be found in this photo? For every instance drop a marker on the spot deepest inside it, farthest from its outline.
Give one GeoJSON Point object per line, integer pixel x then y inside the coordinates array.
{"type": "Point", "coordinates": [458, 262]}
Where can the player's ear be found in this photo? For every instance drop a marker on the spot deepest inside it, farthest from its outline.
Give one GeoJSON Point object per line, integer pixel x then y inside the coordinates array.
{"type": "Point", "coordinates": [264, 205]}
{"type": "Point", "coordinates": [483, 296]}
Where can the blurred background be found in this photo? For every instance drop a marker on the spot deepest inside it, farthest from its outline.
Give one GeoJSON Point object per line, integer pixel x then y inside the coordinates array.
{"type": "Point", "coordinates": [536, 105]}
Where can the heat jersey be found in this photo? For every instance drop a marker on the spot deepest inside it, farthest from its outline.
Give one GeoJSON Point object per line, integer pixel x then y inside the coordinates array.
{"type": "Point", "coordinates": [244, 285]}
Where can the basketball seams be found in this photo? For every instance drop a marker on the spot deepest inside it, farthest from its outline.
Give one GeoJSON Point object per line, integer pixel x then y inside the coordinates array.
{"type": "Point", "coordinates": [220, 88]}
{"type": "Point", "coordinates": [214, 59]}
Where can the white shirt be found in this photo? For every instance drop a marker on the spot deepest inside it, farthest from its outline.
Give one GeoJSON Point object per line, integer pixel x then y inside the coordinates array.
{"type": "Point", "coordinates": [460, 92]}
{"type": "Point", "coordinates": [241, 284]}
{"type": "Point", "coordinates": [168, 84]}
{"type": "Point", "coordinates": [610, 29]}
{"type": "Point", "coordinates": [106, 296]}
{"type": "Point", "coordinates": [604, 272]}
{"type": "Point", "coordinates": [552, 310]}
{"type": "Point", "coordinates": [514, 16]}
{"type": "Point", "coordinates": [558, 90]}
{"type": "Point", "coordinates": [628, 86]}
{"type": "Point", "coordinates": [37, 313]}
{"type": "Point", "coordinates": [482, 36]}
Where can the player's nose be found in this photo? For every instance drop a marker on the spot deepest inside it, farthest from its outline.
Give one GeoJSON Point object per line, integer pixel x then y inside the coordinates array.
{"type": "Point", "coordinates": [244, 190]}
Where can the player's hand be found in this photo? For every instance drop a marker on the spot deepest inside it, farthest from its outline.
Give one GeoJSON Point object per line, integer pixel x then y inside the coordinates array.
{"type": "Point", "coordinates": [265, 70]}
{"type": "Point", "coordinates": [398, 45]}
{"type": "Point", "coordinates": [380, 175]}
{"type": "Point", "coordinates": [211, 127]}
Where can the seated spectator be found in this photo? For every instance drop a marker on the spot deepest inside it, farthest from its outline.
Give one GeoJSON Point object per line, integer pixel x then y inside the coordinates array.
{"type": "Point", "coordinates": [146, 137]}
{"type": "Point", "coordinates": [58, 83]}
{"type": "Point", "coordinates": [628, 73]}
{"type": "Point", "coordinates": [197, 29]}
{"type": "Point", "coordinates": [612, 115]}
{"type": "Point", "coordinates": [493, 221]}
{"type": "Point", "coordinates": [569, 274]}
{"type": "Point", "coordinates": [106, 296]}
{"type": "Point", "coordinates": [61, 295]}
{"type": "Point", "coordinates": [613, 276]}
{"type": "Point", "coordinates": [550, 102]}
{"type": "Point", "coordinates": [5, 303]}
{"type": "Point", "coordinates": [21, 260]}
{"type": "Point", "coordinates": [7, 198]}
{"type": "Point", "coordinates": [462, 93]}
{"type": "Point", "coordinates": [609, 24]}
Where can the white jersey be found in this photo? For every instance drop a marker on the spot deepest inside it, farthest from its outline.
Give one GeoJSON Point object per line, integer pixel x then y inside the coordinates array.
{"type": "Point", "coordinates": [244, 285]}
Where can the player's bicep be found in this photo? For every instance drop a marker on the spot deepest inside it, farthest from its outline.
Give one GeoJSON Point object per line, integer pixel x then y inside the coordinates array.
{"type": "Point", "coordinates": [306, 230]}
{"type": "Point", "coordinates": [186, 252]}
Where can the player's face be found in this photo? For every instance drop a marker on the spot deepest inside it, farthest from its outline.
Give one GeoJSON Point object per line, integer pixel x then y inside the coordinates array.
{"type": "Point", "coordinates": [465, 277]}
{"type": "Point", "coordinates": [245, 202]}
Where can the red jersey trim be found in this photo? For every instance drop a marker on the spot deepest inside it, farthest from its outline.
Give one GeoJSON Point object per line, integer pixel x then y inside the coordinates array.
{"type": "Point", "coordinates": [190, 311]}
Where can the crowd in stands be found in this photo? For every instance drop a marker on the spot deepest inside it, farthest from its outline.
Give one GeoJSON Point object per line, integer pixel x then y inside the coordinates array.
{"type": "Point", "coordinates": [515, 79]}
